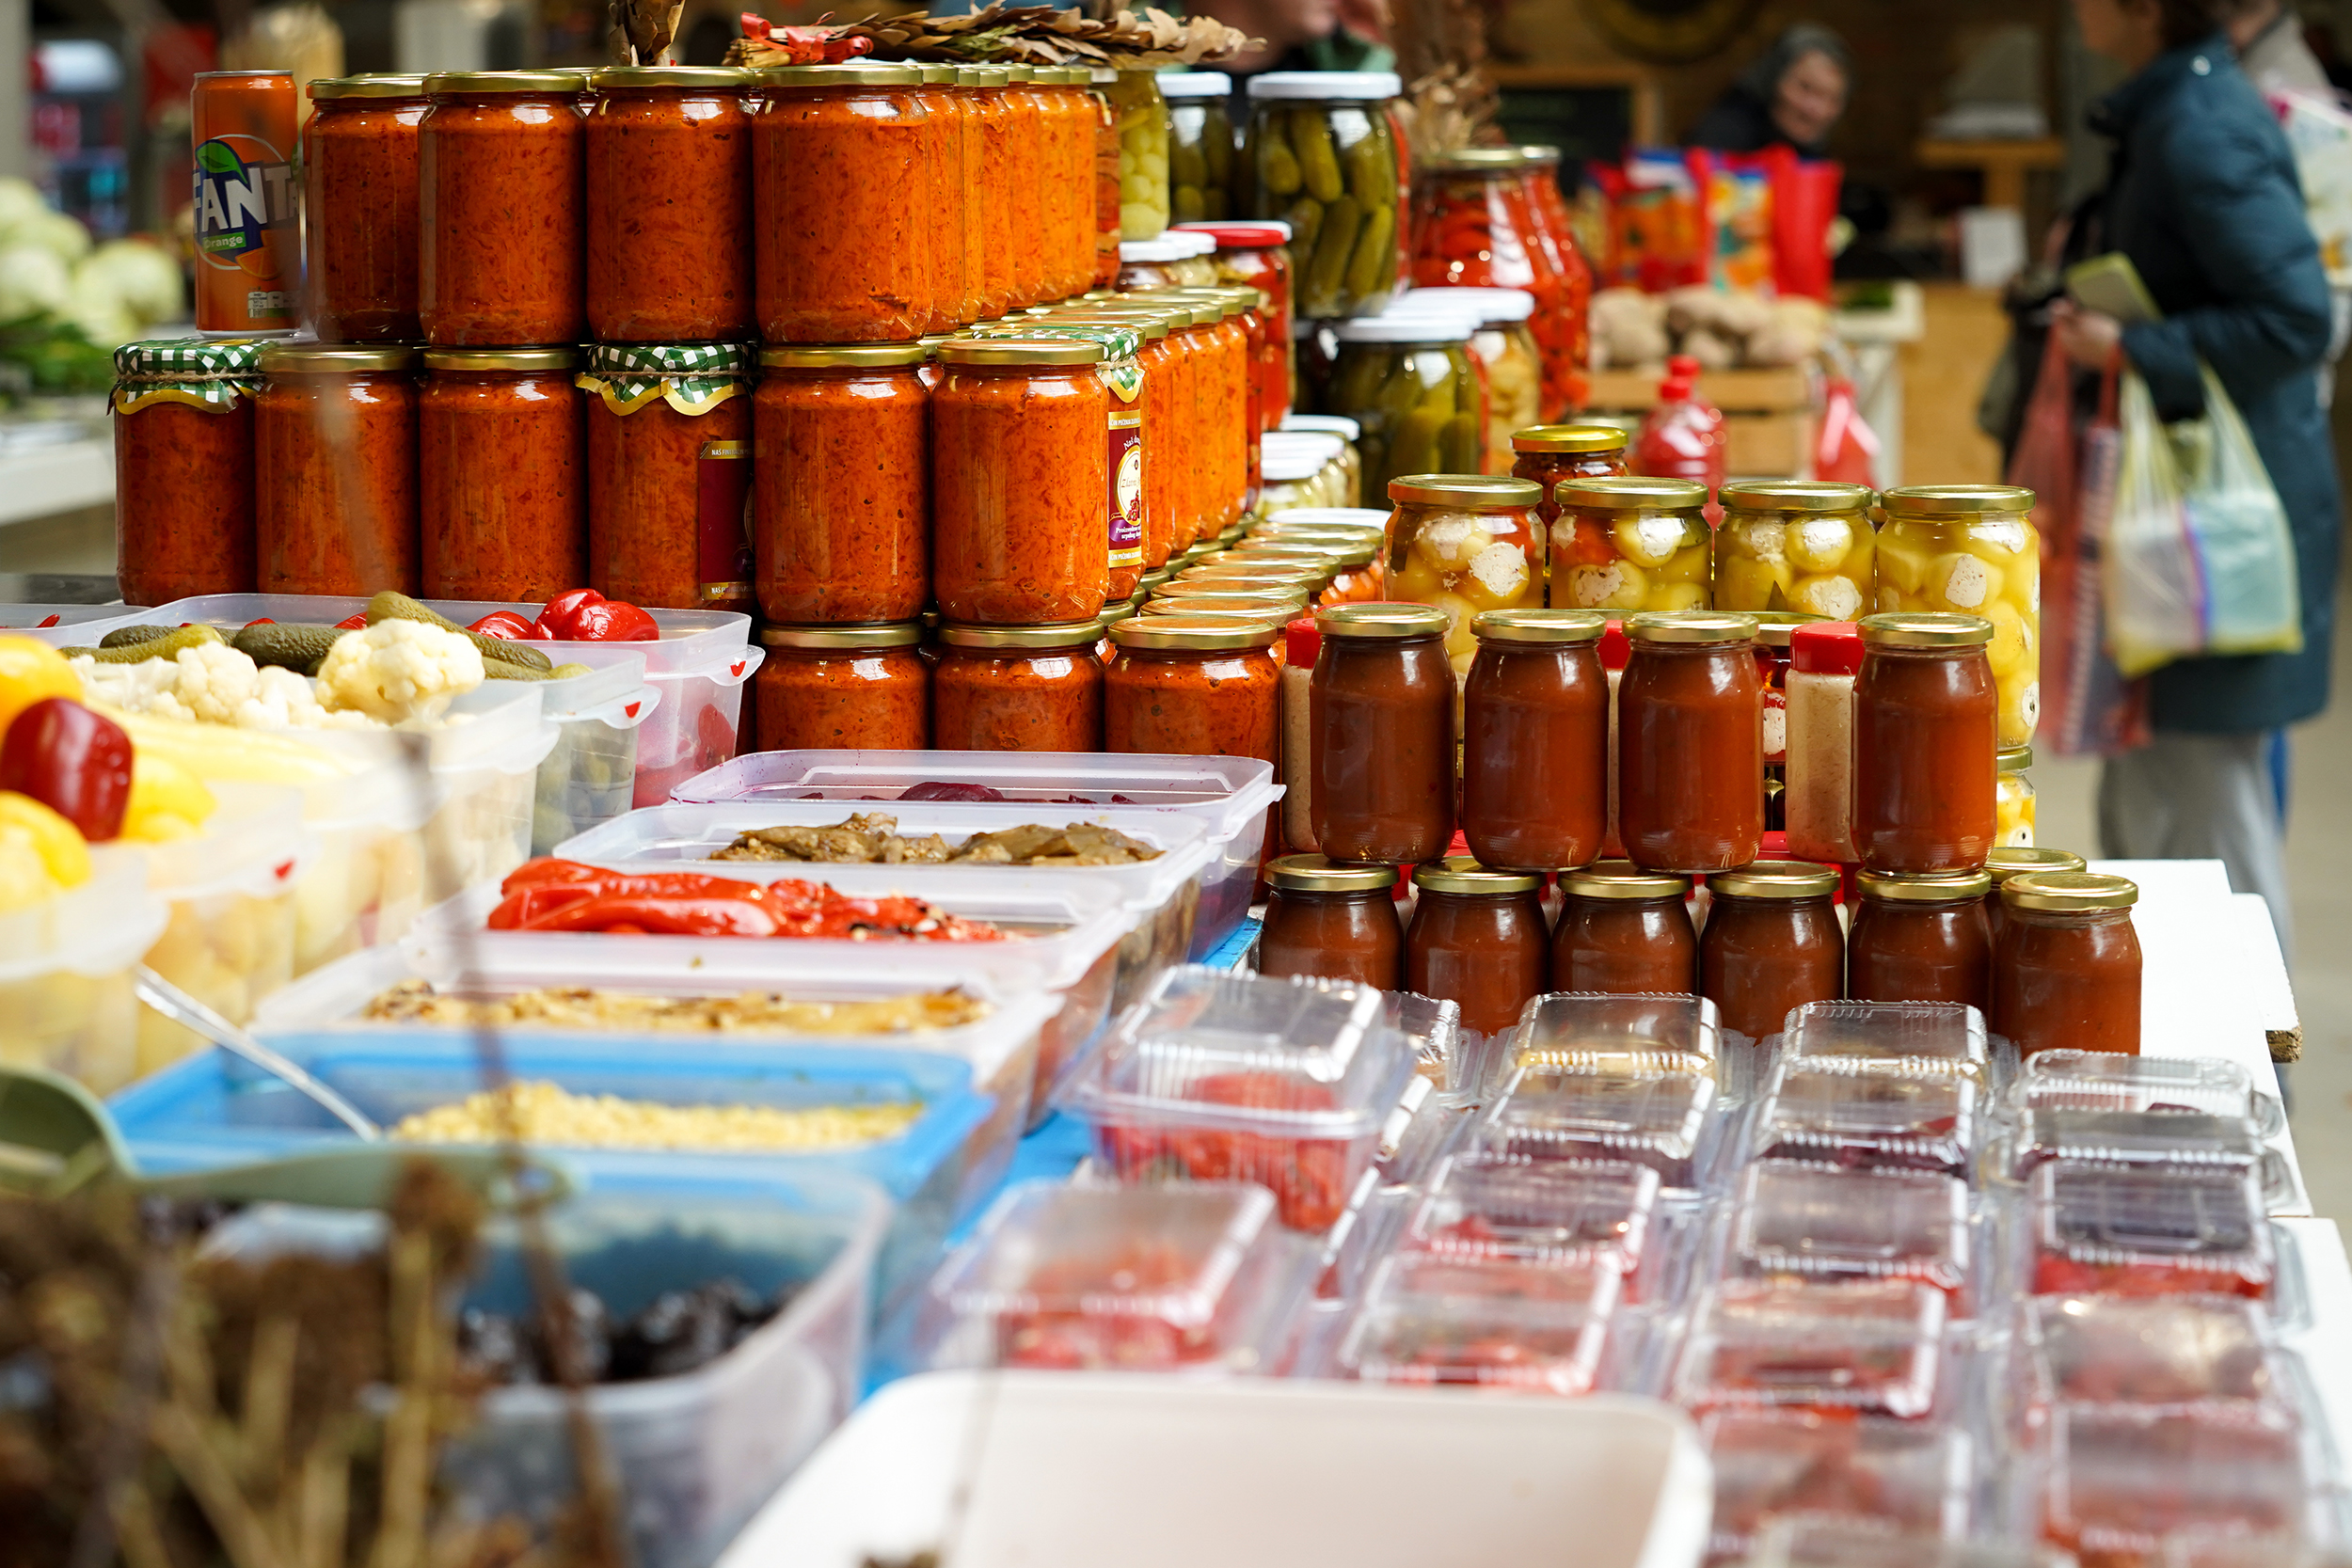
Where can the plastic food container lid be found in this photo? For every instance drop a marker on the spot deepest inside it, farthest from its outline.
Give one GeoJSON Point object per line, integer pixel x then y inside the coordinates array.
{"type": "Point", "coordinates": [2124, 1482]}
{"type": "Point", "coordinates": [1827, 1108]}
{"type": "Point", "coordinates": [1872, 1347]}
{"type": "Point", "coordinates": [1655, 1116]}
{"type": "Point", "coordinates": [2179, 1217]}
{"type": "Point", "coordinates": [1550, 1212]}
{"type": "Point", "coordinates": [1893, 1491]}
{"type": "Point", "coordinates": [1821, 1222]}
{"type": "Point", "coordinates": [99, 929]}
{"type": "Point", "coordinates": [1487, 305]}
{"type": "Point", "coordinates": [1323, 424]}
{"type": "Point", "coordinates": [2169, 1351]}
{"type": "Point", "coordinates": [252, 844]}
{"type": "Point", "coordinates": [1412, 326]}
{"type": "Point", "coordinates": [1587, 1031]}
{"type": "Point", "coordinates": [1326, 86]}
{"type": "Point", "coordinates": [1257, 234]}
{"type": "Point", "coordinates": [1195, 84]}
{"type": "Point", "coordinates": [1890, 1037]}
{"type": "Point", "coordinates": [2104, 1081]}
{"type": "Point", "coordinates": [1175, 244]}
{"type": "Point", "coordinates": [1826, 648]}
{"type": "Point", "coordinates": [1437, 1320]}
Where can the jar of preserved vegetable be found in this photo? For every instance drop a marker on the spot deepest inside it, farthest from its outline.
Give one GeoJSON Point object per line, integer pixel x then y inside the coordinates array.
{"type": "Point", "coordinates": [2067, 973]}
{"type": "Point", "coordinates": [1220, 324]}
{"type": "Point", "coordinates": [1565, 334]}
{"type": "Point", "coordinates": [502, 211]}
{"type": "Point", "coordinates": [1068, 220]}
{"type": "Point", "coordinates": [986, 91]}
{"type": "Point", "coordinates": [1101, 79]}
{"type": "Point", "coordinates": [183, 467]}
{"type": "Point", "coordinates": [841, 483]}
{"type": "Point", "coordinates": [1381, 711]}
{"type": "Point", "coordinates": [1972, 549]}
{"type": "Point", "coordinates": [1690, 743]}
{"type": "Point", "coordinates": [335, 466]}
{"type": "Point", "coordinates": [1920, 939]}
{"type": "Point", "coordinates": [359, 155]}
{"type": "Point", "coordinates": [1334, 922]}
{"type": "Point", "coordinates": [1624, 931]}
{"type": "Point", "coordinates": [669, 467]}
{"type": "Point", "coordinates": [1324, 156]}
{"type": "Point", "coordinates": [1025, 134]}
{"type": "Point", "coordinates": [675, 266]}
{"type": "Point", "coordinates": [1193, 685]}
{"type": "Point", "coordinates": [1297, 471]}
{"type": "Point", "coordinates": [1504, 352]}
{"type": "Point", "coordinates": [1349, 460]}
{"type": "Point", "coordinates": [1629, 544]}
{"type": "Point", "coordinates": [1020, 480]}
{"type": "Point", "coordinates": [1018, 688]}
{"type": "Point", "coordinates": [1477, 940]}
{"type": "Point", "coordinates": [1242, 336]}
{"type": "Point", "coordinates": [1175, 259]}
{"type": "Point", "coordinates": [1200, 145]}
{"type": "Point", "coordinates": [1923, 752]}
{"type": "Point", "coordinates": [1535, 739]}
{"type": "Point", "coordinates": [2012, 798]}
{"type": "Point", "coordinates": [1824, 659]}
{"type": "Point", "coordinates": [842, 206]}
{"type": "Point", "coordinates": [2004, 862]}
{"type": "Point", "coordinates": [1552, 453]}
{"type": "Point", "coordinates": [1128, 427]}
{"type": "Point", "coordinates": [1773, 943]}
{"type": "Point", "coordinates": [1190, 395]}
{"type": "Point", "coordinates": [1465, 543]}
{"type": "Point", "coordinates": [1256, 256]}
{"type": "Point", "coordinates": [1409, 382]}
{"type": "Point", "coordinates": [502, 486]}
{"type": "Point", "coordinates": [1792, 543]}
{"type": "Point", "coordinates": [1143, 195]}
{"type": "Point", "coordinates": [864, 688]}
{"type": "Point", "coordinates": [1188, 598]}
{"type": "Point", "coordinates": [1478, 228]}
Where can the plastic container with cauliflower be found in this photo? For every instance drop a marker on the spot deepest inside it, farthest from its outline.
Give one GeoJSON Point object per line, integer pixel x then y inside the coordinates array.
{"type": "Point", "coordinates": [65, 973]}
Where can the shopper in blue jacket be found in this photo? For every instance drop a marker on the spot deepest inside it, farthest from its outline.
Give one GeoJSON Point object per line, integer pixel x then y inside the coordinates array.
{"type": "Point", "coordinates": [2203, 199]}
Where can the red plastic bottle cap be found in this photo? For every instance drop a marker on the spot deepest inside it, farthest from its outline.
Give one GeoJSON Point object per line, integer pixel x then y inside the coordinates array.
{"type": "Point", "coordinates": [1826, 648]}
{"type": "Point", "coordinates": [1616, 647]}
{"type": "Point", "coordinates": [1302, 639]}
{"type": "Point", "coordinates": [1239, 236]}
{"type": "Point", "coordinates": [1683, 365]}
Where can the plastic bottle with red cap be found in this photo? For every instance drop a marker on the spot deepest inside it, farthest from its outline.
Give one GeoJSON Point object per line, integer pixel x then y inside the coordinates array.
{"type": "Point", "coordinates": [1683, 436]}
{"type": "Point", "coordinates": [1824, 658]}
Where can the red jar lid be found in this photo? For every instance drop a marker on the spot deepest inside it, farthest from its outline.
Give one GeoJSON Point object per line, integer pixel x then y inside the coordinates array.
{"type": "Point", "coordinates": [1616, 648]}
{"type": "Point", "coordinates": [1302, 639]}
{"type": "Point", "coordinates": [1826, 648]}
{"type": "Point", "coordinates": [1242, 236]}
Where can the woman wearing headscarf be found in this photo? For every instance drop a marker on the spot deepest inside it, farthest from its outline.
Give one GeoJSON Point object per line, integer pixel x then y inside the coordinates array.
{"type": "Point", "coordinates": [1791, 96]}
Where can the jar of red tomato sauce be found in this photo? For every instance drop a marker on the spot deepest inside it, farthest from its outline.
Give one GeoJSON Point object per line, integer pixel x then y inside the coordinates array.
{"type": "Point", "coordinates": [669, 187]}
{"type": "Point", "coordinates": [2066, 972]}
{"type": "Point", "coordinates": [1194, 684]}
{"type": "Point", "coordinates": [1477, 940]}
{"type": "Point", "coordinates": [1018, 688]}
{"type": "Point", "coordinates": [1549, 454]}
{"type": "Point", "coordinates": [2007, 861]}
{"type": "Point", "coordinates": [1381, 714]}
{"type": "Point", "coordinates": [864, 688]}
{"type": "Point", "coordinates": [502, 486]}
{"type": "Point", "coordinates": [842, 159]}
{"type": "Point", "coordinates": [183, 467]}
{"type": "Point", "coordinates": [1020, 482]}
{"type": "Point", "coordinates": [841, 497]}
{"type": "Point", "coordinates": [1624, 931]}
{"type": "Point", "coordinates": [335, 460]}
{"type": "Point", "coordinates": [1332, 921]}
{"type": "Point", "coordinates": [669, 467]}
{"type": "Point", "coordinates": [1535, 739]}
{"type": "Point", "coordinates": [1773, 943]}
{"type": "Point", "coordinates": [359, 158]}
{"type": "Point", "coordinates": [1690, 743]}
{"type": "Point", "coordinates": [1926, 715]}
{"type": "Point", "coordinates": [1920, 939]}
{"type": "Point", "coordinates": [501, 208]}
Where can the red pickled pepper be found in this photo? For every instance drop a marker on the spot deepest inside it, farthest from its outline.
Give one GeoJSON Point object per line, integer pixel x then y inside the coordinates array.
{"type": "Point", "coordinates": [74, 761]}
{"type": "Point", "coordinates": [1480, 230]}
{"type": "Point", "coordinates": [509, 627]}
{"type": "Point", "coordinates": [584, 615]}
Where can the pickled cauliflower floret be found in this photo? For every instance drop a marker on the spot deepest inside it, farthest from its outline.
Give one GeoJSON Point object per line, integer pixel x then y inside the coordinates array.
{"type": "Point", "coordinates": [1964, 583]}
{"type": "Point", "coordinates": [2010, 536]}
{"type": "Point", "coordinates": [1836, 597]}
{"type": "Point", "coordinates": [1618, 585]}
{"type": "Point", "coordinates": [1766, 540]}
{"type": "Point", "coordinates": [1500, 570]}
{"type": "Point", "coordinates": [214, 683]}
{"type": "Point", "coordinates": [1819, 544]}
{"type": "Point", "coordinates": [399, 672]}
{"type": "Point", "coordinates": [1452, 541]}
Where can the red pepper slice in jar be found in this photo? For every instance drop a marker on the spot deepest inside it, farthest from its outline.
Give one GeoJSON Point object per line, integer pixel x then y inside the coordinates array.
{"type": "Point", "coordinates": [71, 760]}
{"type": "Point", "coordinates": [353, 623]}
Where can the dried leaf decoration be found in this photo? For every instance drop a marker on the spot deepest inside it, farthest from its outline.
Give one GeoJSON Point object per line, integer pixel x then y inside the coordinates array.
{"type": "Point", "coordinates": [1032, 34]}
{"type": "Point", "coordinates": [643, 30]}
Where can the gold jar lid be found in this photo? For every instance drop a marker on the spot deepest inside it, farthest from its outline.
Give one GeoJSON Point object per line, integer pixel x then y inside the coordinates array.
{"type": "Point", "coordinates": [1690, 626]}
{"type": "Point", "coordinates": [333, 359]}
{"type": "Point", "coordinates": [707, 77]}
{"type": "Point", "coordinates": [982, 77]}
{"type": "Point", "coordinates": [1194, 553]}
{"type": "Point", "coordinates": [817, 356]}
{"type": "Point", "coordinates": [1238, 616]}
{"type": "Point", "coordinates": [1479, 158]}
{"type": "Point", "coordinates": [1776, 629]}
{"type": "Point", "coordinates": [2069, 892]}
{"type": "Point", "coordinates": [1570, 437]}
{"type": "Point", "coordinates": [1114, 613]}
{"type": "Point", "coordinates": [842, 74]}
{"type": "Point", "coordinates": [1214, 594]}
{"type": "Point", "coordinates": [1321, 873]}
{"type": "Point", "coordinates": [1622, 879]}
{"type": "Point", "coordinates": [1194, 633]}
{"type": "Point", "coordinates": [2014, 759]}
{"type": "Point", "coordinates": [2009, 859]}
{"type": "Point", "coordinates": [1794, 495]}
{"type": "Point", "coordinates": [500, 358]}
{"type": "Point", "coordinates": [1631, 493]}
{"type": "Point", "coordinates": [1776, 879]}
{"type": "Point", "coordinates": [1539, 625]}
{"type": "Point", "coordinates": [878, 634]}
{"type": "Point", "coordinates": [1050, 634]}
{"type": "Point", "coordinates": [1474, 492]}
{"type": "Point", "coordinates": [1955, 500]}
{"type": "Point", "coordinates": [1283, 574]}
{"type": "Point", "coordinates": [1461, 874]}
{"type": "Point", "coordinates": [1291, 554]}
{"type": "Point", "coordinates": [1941, 887]}
{"type": "Point", "coordinates": [1152, 326]}
{"type": "Point", "coordinates": [992, 351]}
{"type": "Point", "coordinates": [368, 85]}
{"type": "Point", "coordinates": [1318, 533]}
{"type": "Point", "coordinates": [1925, 629]}
{"type": "Point", "coordinates": [469, 82]}
{"type": "Point", "coordinates": [1384, 620]}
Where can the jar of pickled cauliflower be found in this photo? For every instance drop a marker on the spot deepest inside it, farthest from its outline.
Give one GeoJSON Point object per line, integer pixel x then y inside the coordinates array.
{"type": "Point", "coordinates": [2012, 798]}
{"type": "Point", "coordinates": [1465, 543]}
{"type": "Point", "coordinates": [1143, 199]}
{"type": "Point", "coordinates": [1629, 544]}
{"type": "Point", "coordinates": [1972, 549]}
{"type": "Point", "coordinates": [1794, 544]}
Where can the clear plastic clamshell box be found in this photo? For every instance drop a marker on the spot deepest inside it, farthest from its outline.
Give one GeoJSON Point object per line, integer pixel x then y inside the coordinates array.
{"type": "Point", "coordinates": [1167, 895]}
{"type": "Point", "coordinates": [1234, 796]}
{"type": "Point", "coordinates": [1828, 1110]}
{"type": "Point", "coordinates": [1915, 1476]}
{"type": "Point", "coordinates": [1487, 1324]}
{"type": "Point", "coordinates": [2119, 1484]}
{"type": "Point", "coordinates": [591, 776]}
{"type": "Point", "coordinates": [2148, 1230]}
{"type": "Point", "coordinates": [1586, 1031]}
{"type": "Point", "coordinates": [2171, 1353]}
{"type": "Point", "coordinates": [65, 973]}
{"type": "Point", "coordinates": [1217, 1076]}
{"type": "Point", "coordinates": [1873, 1347]}
{"type": "Point", "coordinates": [1652, 1117]}
{"type": "Point", "coordinates": [1803, 1540]}
{"type": "Point", "coordinates": [1192, 1278]}
{"type": "Point", "coordinates": [695, 1454]}
{"type": "Point", "coordinates": [1801, 1220]}
{"type": "Point", "coordinates": [1907, 1039]}
{"type": "Point", "coordinates": [1555, 1213]}
{"type": "Point", "coordinates": [2104, 1081]}
{"type": "Point", "coordinates": [2176, 1138]}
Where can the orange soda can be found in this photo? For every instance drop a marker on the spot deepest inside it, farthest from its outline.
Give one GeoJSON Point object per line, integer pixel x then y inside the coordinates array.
{"type": "Point", "coordinates": [248, 211]}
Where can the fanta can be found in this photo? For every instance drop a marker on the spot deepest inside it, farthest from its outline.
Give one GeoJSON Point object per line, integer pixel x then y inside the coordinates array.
{"type": "Point", "coordinates": [249, 212]}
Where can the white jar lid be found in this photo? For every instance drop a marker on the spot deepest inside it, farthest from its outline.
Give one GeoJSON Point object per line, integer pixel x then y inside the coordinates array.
{"type": "Point", "coordinates": [1323, 424]}
{"type": "Point", "coordinates": [1329, 86]}
{"type": "Point", "coordinates": [1489, 305]}
{"type": "Point", "coordinates": [1173, 246]}
{"type": "Point", "coordinates": [1195, 84]}
{"type": "Point", "coordinates": [1411, 326]}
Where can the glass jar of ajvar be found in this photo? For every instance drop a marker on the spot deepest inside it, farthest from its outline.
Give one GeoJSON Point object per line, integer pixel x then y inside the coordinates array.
{"type": "Point", "coordinates": [359, 158]}
{"type": "Point", "coordinates": [1478, 940]}
{"type": "Point", "coordinates": [1193, 685]}
{"type": "Point", "coordinates": [335, 457]}
{"type": "Point", "coordinates": [1381, 706]}
{"type": "Point", "coordinates": [843, 688]}
{"type": "Point", "coordinates": [501, 210]}
{"type": "Point", "coordinates": [1332, 921]}
{"type": "Point", "coordinates": [841, 501]}
{"type": "Point", "coordinates": [1690, 743]}
{"type": "Point", "coordinates": [1018, 688]}
{"type": "Point", "coordinates": [669, 185]}
{"type": "Point", "coordinates": [502, 487]}
{"type": "Point", "coordinates": [669, 467]}
{"type": "Point", "coordinates": [183, 467]}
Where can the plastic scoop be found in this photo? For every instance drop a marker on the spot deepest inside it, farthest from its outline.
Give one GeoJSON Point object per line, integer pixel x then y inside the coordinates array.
{"type": "Point", "coordinates": [182, 1008]}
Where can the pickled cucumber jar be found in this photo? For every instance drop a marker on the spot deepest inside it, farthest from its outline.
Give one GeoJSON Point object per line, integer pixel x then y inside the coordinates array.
{"type": "Point", "coordinates": [1409, 384]}
{"type": "Point", "coordinates": [1200, 143]}
{"type": "Point", "coordinates": [2012, 798]}
{"type": "Point", "coordinates": [1324, 157]}
{"type": "Point", "coordinates": [1972, 549]}
{"type": "Point", "coordinates": [1465, 543]}
{"type": "Point", "coordinates": [1504, 350]}
{"type": "Point", "coordinates": [1142, 155]}
{"type": "Point", "coordinates": [1794, 544]}
{"type": "Point", "coordinates": [1625, 543]}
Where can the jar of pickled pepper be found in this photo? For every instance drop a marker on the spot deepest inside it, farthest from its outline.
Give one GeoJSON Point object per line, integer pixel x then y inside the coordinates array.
{"type": "Point", "coordinates": [1629, 544]}
{"type": "Point", "coordinates": [1794, 544]}
{"type": "Point", "coordinates": [1972, 549]}
{"type": "Point", "coordinates": [1409, 382]}
{"type": "Point", "coordinates": [864, 688]}
{"type": "Point", "coordinates": [1200, 145]}
{"type": "Point", "coordinates": [1478, 228]}
{"type": "Point", "coordinates": [1325, 157]}
{"type": "Point", "coordinates": [501, 208]}
{"type": "Point", "coordinates": [1549, 453]}
{"type": "Point", "coordinates": [1465, 544]}
{"type": "Point", "coordinates": [1565, 334]}
{"type": "Point", "coordinates": [183, 467]}
{"type": "Point", "coordinates": [669, 467]}
{"type": "Point", "coordinates": [675, 267]}
{"type": "Point", "coordinates": [359, 157]}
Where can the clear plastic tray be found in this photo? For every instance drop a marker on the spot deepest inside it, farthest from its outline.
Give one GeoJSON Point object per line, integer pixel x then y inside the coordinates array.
{"type": "Point", "coordinates": [1873, 1349]}
{"type": "Point", "coordinates": [77, 625]}
{"type": "Point", "coordinates": [2173, 1353]}
{"type": "Point", "coordinates": [1072, 1277]}
{"type": "Point", "coordinates": [1655, 1117]}
{"type": "Point", "coordinates": [1911, 1038]}
{"type": "Point", "coordinates": [65, 973]}
{"type": "Point", "coordinates": [2103, 1081]}
{"type": "Point", "coordinates": [1586, 1030]}
{"type": "Point", "coordinates": [1552, 1212]}
{"type": "Point", "coordinates": [1833, 1112]}
{"type": "Point", "coordinates": [1895, 1475]}
{"type": "Point", "coordinates": [2120, 1484]}
{"type": "Point", "coordinates": [2180, 1138]}
{"type": "Point", "coordinates": [2143, 1230]}
{"type": "Point", "coordinates": [1796, 1219]}
{"type": "Point", "coordinates": [1487, 1324]}
{"type": "Point", "coordinates": [1219, 1076]}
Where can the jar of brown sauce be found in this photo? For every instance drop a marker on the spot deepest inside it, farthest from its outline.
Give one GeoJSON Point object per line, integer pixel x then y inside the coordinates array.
{"type": "Point", "coordinates": [1624, 931]}
{"type": "Point", "coordinates": [1925, 718]}
{"type": "Point", "coordinates": [1336, 921]}
{"type": "Point", "coordinates": [1381, 713]}
{"type": "Point", "coordinates": [1920, 939]}
{"type": "Point", "coordinates": [1476, 940]}
{"type": "Point", "coordinates": [1690, 742]}
{"type": "Point", "coordinates": [1535, 739]}
{"type": "Point", "coordinates": [2003, 862]}
{"type": "Point", "coordinates": [1773, 943]}
{"type": "Point", "coordinates": [2067, 971]}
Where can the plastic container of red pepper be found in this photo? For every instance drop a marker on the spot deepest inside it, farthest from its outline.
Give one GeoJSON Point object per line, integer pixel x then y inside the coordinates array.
{"type": "Point", "coordinates": [1904, 1482]}
{"type": "Point", "coordinates": [1823, 1109]}
{"type": "Point", "coordinates": [1663, 1117]}
{"type": "Point", "coordinates": [1869, 1348]}
{"type": "Point", "coordinates": [1798, 1219]}
{"type": "Point", "coordinates": [2093, 1227]}
{"type": "Point", "coordinates": [2221, 1352]}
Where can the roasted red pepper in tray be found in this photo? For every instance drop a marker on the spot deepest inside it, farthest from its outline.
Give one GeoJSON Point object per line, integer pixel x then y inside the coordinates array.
{"type": "Point", "coordinates": [506, 625]}
{"type": "Point", "coordinates": [584, 615]}
{"type": "Point", "coordinates": [76, 762]}
{"type": "Point", "coordinates": [1100, 1337]}
{"type": "Point", "coordinates": [1307, 1175]}
{"type": "Point", "coordinates": [550, 894]}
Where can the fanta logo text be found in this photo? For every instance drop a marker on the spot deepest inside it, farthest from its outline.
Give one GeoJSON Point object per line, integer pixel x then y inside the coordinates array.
{"type": "Point", "coordinates": [235, 201]}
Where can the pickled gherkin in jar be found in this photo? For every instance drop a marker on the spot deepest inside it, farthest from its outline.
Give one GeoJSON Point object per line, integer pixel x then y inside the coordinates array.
{"type": "Point", "coordinates": [1414, 393]}
{"type": "Point", "coordinates": [1143, 197]}
{"type": "Point", "coordinates": [1972, 549]}
{"type": "Point", "coordinates": [1465, 543]}
{"type": "Point", "coordinates": [1795, 545]}
{"type": "Point", "coordinates": [1200, 145]}
{"type": "Point", "coordinates": [1627, 544]}
{"type": "Point", "coordinates": [1323, 156]}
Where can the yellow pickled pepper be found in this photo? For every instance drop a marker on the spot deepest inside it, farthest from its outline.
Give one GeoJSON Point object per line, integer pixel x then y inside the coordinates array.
{"type": "Point", "coordinates": [32, 671]}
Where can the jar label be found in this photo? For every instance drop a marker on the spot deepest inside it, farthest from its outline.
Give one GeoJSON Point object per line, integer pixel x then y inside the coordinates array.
{"type": "Point", "coordinates": [1126, 487]}
{"type": "Point", "coordinates": [722, 522]}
